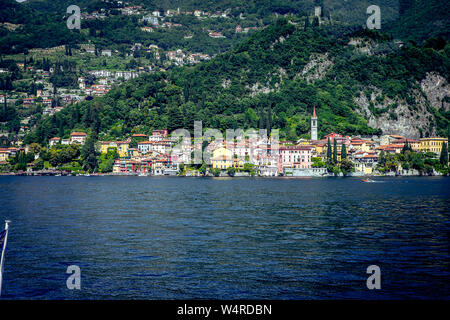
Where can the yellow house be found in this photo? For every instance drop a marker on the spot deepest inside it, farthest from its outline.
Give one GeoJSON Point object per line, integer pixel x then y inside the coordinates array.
{"type": "Point", "coordinates": [4, 154]}
{"type": "Point", "coordinates": [320, 147]}
{"type": "Point", "coordinates": [222, 158]}
{"type": "Point", "coordinates": [362, 167]}
{"type": "Point", "coordinates": [122, 148]}
{"type": "Point", "coordinates": [432, 144]}
{"type": "Point", "coordinates": [105, 145]}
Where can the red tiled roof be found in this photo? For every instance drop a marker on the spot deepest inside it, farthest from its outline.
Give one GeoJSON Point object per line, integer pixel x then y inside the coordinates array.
{"type": "Point", "coordinates": [78, 134]}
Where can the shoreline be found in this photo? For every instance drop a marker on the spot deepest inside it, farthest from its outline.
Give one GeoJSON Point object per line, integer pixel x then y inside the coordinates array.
{"type": "Point", "coordinates": [212, 176]}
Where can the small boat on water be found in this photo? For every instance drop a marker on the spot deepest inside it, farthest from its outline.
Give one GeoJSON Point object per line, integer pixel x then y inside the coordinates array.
{"type": "Point", "coordinates": [367, 180]}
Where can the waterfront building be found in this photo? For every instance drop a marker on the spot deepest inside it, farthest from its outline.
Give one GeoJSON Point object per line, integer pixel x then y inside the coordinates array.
{"type": "Point", "coordinates": [365, 162]}
{"type": "Point", "coordinates": [222, 158]}
{"type": "Point", "coordinates": [294, 157]}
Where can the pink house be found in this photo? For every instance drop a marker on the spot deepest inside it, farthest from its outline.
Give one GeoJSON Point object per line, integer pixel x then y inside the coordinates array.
{"type": "Point", "coordinates": [294, 157]}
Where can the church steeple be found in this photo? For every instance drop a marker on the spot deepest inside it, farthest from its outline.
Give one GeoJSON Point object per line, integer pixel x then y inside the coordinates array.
{"type": "Point", "coordinates": [314, 125]}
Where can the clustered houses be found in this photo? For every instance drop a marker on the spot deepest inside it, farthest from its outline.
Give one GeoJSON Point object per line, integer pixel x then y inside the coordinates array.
{"type": "Point", "coordinates": [105, 79]}
{"type": "Point", "coordinates": [153, 154]}
{"type": "Point", "coordinates": [179, 58]}
{"type": "Point", "coordinates": [161, 154]}
{"type": "Point", "coordinates": [296, 159]}
{"type": "Point", "coordinates": [75, 138]}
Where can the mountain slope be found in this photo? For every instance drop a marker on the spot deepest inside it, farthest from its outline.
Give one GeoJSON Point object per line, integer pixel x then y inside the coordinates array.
{"type": "Point", "coordinates": [273, 80]}
{"type": "Point", "coordinates": [420, 20]}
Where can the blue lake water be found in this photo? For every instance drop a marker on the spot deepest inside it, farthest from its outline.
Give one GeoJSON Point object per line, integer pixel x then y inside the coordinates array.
{"type": "Point", "coordinates": [226, 238]}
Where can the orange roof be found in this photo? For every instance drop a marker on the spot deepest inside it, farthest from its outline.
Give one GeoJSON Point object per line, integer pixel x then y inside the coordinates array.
{"type": "Point", "coordinates": [314, 113]}
{"type": "Point", "coordinates": [139, 135]}
{"type": "Point", "coordinates": [146, 142]}
{"type": "Point", "coordinates": [80, 134]}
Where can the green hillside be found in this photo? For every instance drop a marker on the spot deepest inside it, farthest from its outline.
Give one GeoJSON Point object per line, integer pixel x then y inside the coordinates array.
{"type": "Point", "coordinates": [421, 20]}
{"type": "Point", "coordinates": [260, 84]}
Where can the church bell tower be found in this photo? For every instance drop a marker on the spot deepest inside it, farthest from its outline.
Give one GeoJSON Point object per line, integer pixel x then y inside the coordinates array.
{"type": "Point", "coordinates": [314, 125]}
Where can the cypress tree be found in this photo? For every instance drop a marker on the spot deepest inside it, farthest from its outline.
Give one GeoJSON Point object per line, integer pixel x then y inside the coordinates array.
{"type": "Point", "coordinates": [343, 152]}
{"type": "Point", "coordinates": [444, 154]}
{"type": "Point", "coordinates": [335, 152]}
{"type": "Point", "coordinates": [329, 151]}
{"type": "Point", "coordinates": [405, 147]}
{"type": "Point", "coordinates": [89, 154]}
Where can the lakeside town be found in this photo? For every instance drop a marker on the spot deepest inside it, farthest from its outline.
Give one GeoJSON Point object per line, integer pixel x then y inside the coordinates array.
{"type": "Point", "coordinates": [172, 155]}
{"type": "Point", "coordinates": [43, 81]}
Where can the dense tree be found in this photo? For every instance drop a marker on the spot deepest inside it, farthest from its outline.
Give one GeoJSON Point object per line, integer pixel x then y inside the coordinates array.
{"type": "Point", "coordinates": [343, 152]}
{"type": "Point", "coordinates": [444, 154]}
{"type": "Point", "coordinates": [90, 154]}
{"type": "Point", "coordinates": [346, 166]}
{"type": "Point", "coordinates": [335, 152]}
{"type": "Point", "coordinates": [329, 158]}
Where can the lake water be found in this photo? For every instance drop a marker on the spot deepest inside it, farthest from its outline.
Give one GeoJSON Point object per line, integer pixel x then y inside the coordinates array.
{"type": "Point", "coordinates": [226, 238]}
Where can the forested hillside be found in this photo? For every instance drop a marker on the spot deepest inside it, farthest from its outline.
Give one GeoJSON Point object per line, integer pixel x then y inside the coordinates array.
{"type": "Point", "coordinates": [273, 80]}
{"type": "Point", "coordinates": [421, 20]}
{"type": "Point", "coordinates": [42, 24]}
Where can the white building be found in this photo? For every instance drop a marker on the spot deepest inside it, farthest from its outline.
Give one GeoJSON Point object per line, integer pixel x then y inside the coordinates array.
{"type": "Point", "coordinates": [145, 146]}
{"type": "Point", "coordinates": [78, 137]}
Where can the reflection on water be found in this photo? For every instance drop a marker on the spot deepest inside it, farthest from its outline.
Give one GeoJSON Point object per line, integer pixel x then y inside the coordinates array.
{"type": "Point", "coordinates": [180, 238]}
